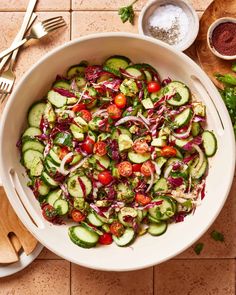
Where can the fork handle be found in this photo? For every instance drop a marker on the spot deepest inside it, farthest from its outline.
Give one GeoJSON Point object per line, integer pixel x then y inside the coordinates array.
{"type": "Point", "coordinates": [12, 48]}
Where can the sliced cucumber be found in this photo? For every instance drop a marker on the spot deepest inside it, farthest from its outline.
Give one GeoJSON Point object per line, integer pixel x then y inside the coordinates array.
{"type": "Point", "coordinates": [48, 180]}
{"type": "Point", "coordinates": [147, 103]}
{"type": "Point", "coordinates": [124, 142]}
{"type": "Point", "coordinates": [33, 145]}
{"type": "Point", "coordinates": [56, 99]}
{"type": "Point", "coordinates": [160, 161]}
{"type": "Point", "coordinates": [61, 206]}
{"type": "Point", "coordinates": [79, 186]}
{"type": "Point", "coordinates": [138, 158]}
{"type": "Point", "coordinates": [76, 70]}
{"type": "Point", "coordinates": [102, 162]}
{"type": "Point", "coordinates": [31, 132]}
{"type": "Point", "coordinates": [104, 219]}
{"type": "Point", "coordinates": [117, 62]}
{"type": "Point", "coordinates": [181, 93]}
{"type": "Point", "coordinates": [50, 166]}
{"type": "Point", "coordinates": [32, 158]}
{"type": "Point", "coordinates": [152, 219]}
{"type": "Point", "coordinates": [94, 220]}
{"type": "Point", "coordinates": [135, 73]}
{"type": "Point", "coordinates": [83, 237]}
{"type": "Point", "coordinates": [54, 196]}
{"type": "Point", "coordinates": [198, 173]}
{"type": "Point", "coordinates": [43, 189]}
{"type": "Point", "coordinates": [183, 118]}
{"type": "Point", "coordinates": [161, 185]}
{"type": "Point", "coordinates": [61, 84]}
{"type": "Point", "coordinates": [148, 75]}
{"type": "Point", "coordinates": [126, 239]}
{"type": "Point", "coordinates": [118, 131]}
{"type": "Point", "coordinates": [209, 143]}
{"type": "Point", "coordinates": [181, 142]}
{"type": "Point", "coordinates": [55, 159]}
{"type": "Point", "coordinates": [163, 211]}
{"type": "Point", "coordinates": [36, 113]}
{"type": "Point", "coordinates": [196, 128]}
{"type": "Point", "coordinates": [157, 229]}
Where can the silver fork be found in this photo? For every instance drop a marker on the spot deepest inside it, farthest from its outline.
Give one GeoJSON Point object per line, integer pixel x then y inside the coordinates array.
{"type": "Point", "coordinates": [37, 32]}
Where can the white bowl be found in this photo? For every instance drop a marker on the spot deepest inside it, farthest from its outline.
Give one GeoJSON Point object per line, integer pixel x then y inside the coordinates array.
{"type": "Point", "coordinates": [151, 6]}
{"type": "Point", "coordinates": [146, 250]}
{"type": "Point", "coordinates": [209, 37]}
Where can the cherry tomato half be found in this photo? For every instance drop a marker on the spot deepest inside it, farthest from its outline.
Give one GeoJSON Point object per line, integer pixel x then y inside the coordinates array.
{"type": "Point", "coordinates": [153, 87]}
{"type": "Point", "coordinates": [86, 115]}
{"type": "Point", "coordinates": [136, 167]}
{"type": "Point", "coordinates": [87, 145]}
{"type": "Point", "coordinates": [120, 101]}
{"type": "Point", "coordinates": [100, 148]}
{"type": "Point", "coordinates": [49, 212]}
{"type": "Point", "coordinates": [79, 107]}
{"type": "Point", "coordinates": [147, 168]}
{"type": "Point", "coordinates": [77, 216]}
{"type": "Point", "coordinates": [140, 146]}
{"type": "Point", "coordinates": [117, 229]}
{"type": "Point", "coordinates": [114, 112]}
{"type": "Point", "coordinates": [125, 169]}
{"type": "Point", "coordinates": [105, 177]}
{"type": "Point", "coordinates": [63, 152]}
{"type": "Point", "coordinates": [105, 239]}
{"type": "Point", "coordinates": [142, 199]}
{"type": "Point", "coordinates": [168, 151]}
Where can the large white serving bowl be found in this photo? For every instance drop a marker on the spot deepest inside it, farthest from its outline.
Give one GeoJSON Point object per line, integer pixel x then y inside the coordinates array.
{"type": "Point", "coordinates": [146, 250]}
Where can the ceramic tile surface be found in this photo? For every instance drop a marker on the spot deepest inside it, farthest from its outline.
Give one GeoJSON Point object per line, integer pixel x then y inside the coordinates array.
{"type": "Point", "coordinates": [20, 5]}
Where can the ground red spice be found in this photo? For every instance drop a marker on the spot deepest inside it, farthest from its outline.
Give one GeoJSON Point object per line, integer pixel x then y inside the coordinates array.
{"type": "Point", "coordinates": [224, 38]}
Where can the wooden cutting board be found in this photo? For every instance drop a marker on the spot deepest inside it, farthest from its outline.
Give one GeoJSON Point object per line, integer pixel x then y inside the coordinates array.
{"type": "Point", "coordinates": [13, 234]}
{"type": "Point", "coordinates": [208, 61]}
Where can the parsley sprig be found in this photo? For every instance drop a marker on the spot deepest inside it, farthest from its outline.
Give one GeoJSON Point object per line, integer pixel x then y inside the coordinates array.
{"type": "Point", "coordinates": [126, 13]}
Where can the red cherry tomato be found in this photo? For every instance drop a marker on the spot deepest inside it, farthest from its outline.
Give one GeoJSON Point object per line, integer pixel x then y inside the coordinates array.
{"type": "Point", "coordinates": [168, 151]}
{"type": "Point", "coordinates": [63, 152]}
{"type": "Point", "coordinates": [136, 167]}
{"type": "Point", "coordinates": [100, 148]}
{"type": "Point", "coordinates": [153, 87]}
{"type": "Point", "coordinates": [147, 168]}
{"type": "Point", "coordinates": [86, 115]}
{"type": "Point", "coordinates": [142, 199]}
{"type": "Point", "coordinates": [114, 112]}
{"type": "Point", "coordinates": [117, 229]}
{"type": "Point", "coordinates": [77, 216]}
{"type": "Point", "coordinates": [140, 146]}
{"type": "Point", "coordinates": [87, 145]}
{"type": "Point", "coordinates": [120, 101]}
{"type": "Point", "coordinates": [79, 107]}
{"type": "Point", "coordinates": [125, 169]}
{"type": "Point", "coordinates": [105, 177]}
{"type": "Point", "coordinates": [49, 212]}
{"type": "Point", "coordinates": [105, 239]}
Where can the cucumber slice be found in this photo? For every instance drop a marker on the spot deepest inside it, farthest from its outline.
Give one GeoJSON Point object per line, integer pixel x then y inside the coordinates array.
{"type": "Point", "coordinates": [181, 91]}
{"type": "Point", "coordinates": [32, 145]}
{"type": "Point", "coordinates": [117, 62]}
{"type": "Point", "coordinates": [102, 162]}
{"type": "Point", "coordinates": [32, 158]}
{"type": "Point", "coordinates": [53, 196]}
{"type": "Point", "coordinates": [196, 174]}
{"type": "Point", "coordinates": [183, 118]}
{"type": "Point", "coordinates": [160, 161]}
{"type": "Point", "coordinates": [43, 189]}
{"type": "Point", "coordinates": [104, 219]}
{"type": "Point", "coordinates": [124, 142]}
{"type": "Point", "coordinates": [61, 206]}
{"type": "Point", "coordinates": [61, 84]}
{"type": "Point", "coordinates": [135, 73]}
{"type": "Point", "coordinates": [138, 158]}
{"type": "Point", "coordinates": [76, 70]}
{"type": "Point", "coordinates": [209, 143]}
{"type": "Point", "coordinates": [118, 131]}
{"type": "Point", "coordinates": [126, 239]}
{"type": "Point", "coordinates": [94, 220]}
{"type": "Point", "coordinates": [181, 142]}
{"type": "Point", "coordinates": [48, 180]}
{"type": "Point", "coordinates": [50, 166]}
{"type": "Point", "coordinates": [36, 113]}
{"type": "Point", "coordinates": [161, 185]}
{"type": "Point", "coordinates": [196, 128]}
{"type": "Point", "coordinates": [163, 211]}
{"type": "Point", "coordinates": [148, 75]}
{"type": "Point", "coordinates": [56, 99]}
{"type": "Point", "coordinates": [31, 132]}
{"type": "Point", "coordinates": [55, 159]}
{"type": "Point", "coordinates": [147, 103]}
{"type": "Point", "coordinates": [79, 186]}
{"type": "Point", "coordinates": [157, 229]}
{"type": "Point", "coordinates": [83, 237]}
{"type": "Point", "coordinates": [152, 219]}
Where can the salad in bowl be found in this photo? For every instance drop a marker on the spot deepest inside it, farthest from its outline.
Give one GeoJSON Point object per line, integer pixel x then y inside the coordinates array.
{"type": "Point", "coordinates": [117, 151]}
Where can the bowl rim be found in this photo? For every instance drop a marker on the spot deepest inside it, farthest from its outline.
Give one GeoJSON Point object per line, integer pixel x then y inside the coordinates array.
{"type": "Point", "coordinates": [227, 122]}
{"type": "Point", "coordinates": [210, 30]}
{"type": "Point", "coordinates": [192, 34]}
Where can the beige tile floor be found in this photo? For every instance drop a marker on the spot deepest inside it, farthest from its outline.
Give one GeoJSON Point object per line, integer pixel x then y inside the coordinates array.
{"type": "Point", "coordinates": [213, 272]}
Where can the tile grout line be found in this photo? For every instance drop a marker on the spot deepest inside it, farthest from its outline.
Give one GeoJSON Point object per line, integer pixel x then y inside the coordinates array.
{"type": "Point", "coordinates": [70, 277]}
{"type": "Point", "coordinates": [153, 280]}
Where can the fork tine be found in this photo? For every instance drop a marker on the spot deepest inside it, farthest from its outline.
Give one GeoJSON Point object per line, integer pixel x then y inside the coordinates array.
{"type": "Point", "coordinates": [46, 21]}
{"type": "Point", "coordinates": [56, 27]}
{"type": "Point", "coordinates": [3, 97]}
{"type": "Point", "coordinates": [48, 27]}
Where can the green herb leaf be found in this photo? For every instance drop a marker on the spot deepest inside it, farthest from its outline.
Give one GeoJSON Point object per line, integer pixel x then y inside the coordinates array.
{"type": "Point", "coordinates": [226, 79]}
{"type": "Point", "coordinates": [198, 248]}
{"type": "Point", "coordinates": [234, 67]}
{"type": "Point", "coordinates": [217, 236]}
{"type": "Point", "coordinates": [126, 13]}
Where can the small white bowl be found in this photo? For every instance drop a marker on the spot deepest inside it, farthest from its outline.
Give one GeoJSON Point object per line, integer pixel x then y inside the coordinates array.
{"type": "Point", "coordinates": [209, 37]}
{"type": "Point", "coordinates": [151, 6]}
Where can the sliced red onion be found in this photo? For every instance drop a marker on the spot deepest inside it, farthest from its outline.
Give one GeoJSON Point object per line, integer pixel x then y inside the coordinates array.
{"type": "Point", "coordinates": [196, 141]}
{"type": "Point", "coordinates": [74, 86]}
{"type": "Point", "coordinates": [199, 119]}
{"type": "Point", "coordinates": [151, 180]}
{"type": "Point", "coordinates": [150, 205]}
{"type": "Point", "coordinates": [47, 148]}
{"type": "Point", "coordinates": [145, 120]}
{"type": "Point", "coordinates": [157, 168]}
{"type": "Point", "coordinates": [188, 159]}
{"type": "Point", "coordinates": [81, 95]}
{"type": "Point", "coordinates": [175, 182]}
{"type": "Point", "coordinates": [97, 210]}
{"type": "Point", "coordinates": [166, 81]}
{"type": "Point", "coordinates": [183, 135]}
{"type": "Point", "coordinates": [102, 113]}
{"type": "Point", "coordinates": [130, 118]}
{"type": "Point", "coordinates": [201, 156]}
{"type": "Point", "coordinates": [81, 162]}
{"type": "Point", "coordinates": [62, 169]}
{"type": "Point", "coordinates": [167, 171]}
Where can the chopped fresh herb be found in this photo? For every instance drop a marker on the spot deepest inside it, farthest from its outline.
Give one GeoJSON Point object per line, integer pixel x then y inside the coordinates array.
{"type": "Point", "coordinates": [198, 248]}
{"type": "Point", "coordinates": [226, 79]}
{"type": "Point", "coordinates": [127, 13]}
{"type": "Point", "coordinates": [217, 236]}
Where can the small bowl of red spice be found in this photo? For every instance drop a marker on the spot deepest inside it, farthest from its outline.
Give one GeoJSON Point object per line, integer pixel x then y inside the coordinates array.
{"type": "Point", "coordinates": [221, 38]}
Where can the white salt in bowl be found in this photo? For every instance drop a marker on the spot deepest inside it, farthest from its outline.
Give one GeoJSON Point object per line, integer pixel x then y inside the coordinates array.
{"type": "Point", "coordinates": [193, 25]}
